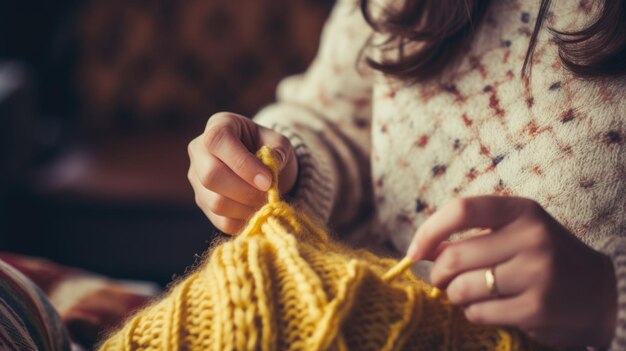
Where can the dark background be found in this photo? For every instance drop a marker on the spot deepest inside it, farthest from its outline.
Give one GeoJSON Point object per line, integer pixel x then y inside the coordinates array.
{"type": "Point", "coordinates": [98, 100]}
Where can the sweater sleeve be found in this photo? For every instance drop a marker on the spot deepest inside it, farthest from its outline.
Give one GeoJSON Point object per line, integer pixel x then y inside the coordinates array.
{"type": "Point", "coordinates": [326, 113]}
{"type": "Point", "coordinates": [615, 248]}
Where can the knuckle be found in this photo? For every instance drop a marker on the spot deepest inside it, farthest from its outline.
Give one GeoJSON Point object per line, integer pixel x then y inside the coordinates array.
{"type": "Point", "coordinates": [233, 227]}
{"type": "Point", "coordinates": [460, 291]}
{"type": "Point", "coordinates": [464, 290]}
{"type": "Point", "coordinates": [461, 208]}
{"type": "Point", "coordinates": [229, 226]}
{"type": "Point", "coordinates": [199, 201]}
{"type": "Point", "coordinates": [217, 204]}
{"type": "Point", "coordinates": [219, 117]}
{"type": "Point", "coordinates": [210, 176]}
{"type": "Point", "coordinates": [220, 114]}
{"type": "Point", "coordinates": [218, 222]}
{"type": "Point", "coordinates": [539, 238]}
{"type": "Point", "coordinates": [239, 164]}
{"type": "Point", "coordinates": [533, 205]}
{"type": "Point", "coordinates": [214, 136]}
{"type": "Point", "coordinates": [190, 175]}
{"type": "Point", "coordinates": [533, 208]}
{"type": "Point", "coordinates": [190, 148]}
{"type": "Point", "coordinates": [474, 314]}
{"type": "Point", "coordinates": [425, 232]}
{"type": "Point", "coordinates": [452, 259]}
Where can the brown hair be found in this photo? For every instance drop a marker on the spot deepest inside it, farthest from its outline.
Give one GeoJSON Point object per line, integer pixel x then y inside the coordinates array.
{"type": "Point", "coordinates": [445, 28]}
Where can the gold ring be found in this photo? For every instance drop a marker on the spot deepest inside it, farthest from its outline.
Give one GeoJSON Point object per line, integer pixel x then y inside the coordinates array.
{"type": "Point", "coordinates": [490, 279]}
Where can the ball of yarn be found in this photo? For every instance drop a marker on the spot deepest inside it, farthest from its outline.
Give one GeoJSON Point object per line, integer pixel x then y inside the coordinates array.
{"type": "Point", "coordinates": [283, 284]}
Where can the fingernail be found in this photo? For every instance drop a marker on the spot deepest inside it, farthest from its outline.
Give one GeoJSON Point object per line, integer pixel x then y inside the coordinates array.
{"type": "Point", "coordinates": [280, 155]}
{"type": "Point", "coordinates": [262, 182]}
{"type": "Point", "coordinates": [412, 250]}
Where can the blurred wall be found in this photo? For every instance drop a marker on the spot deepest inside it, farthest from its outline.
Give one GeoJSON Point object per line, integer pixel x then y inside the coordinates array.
{"type": "Point", "coordinates": [170, 62]}
{"type": "Point", "coordinates": [117, 89]}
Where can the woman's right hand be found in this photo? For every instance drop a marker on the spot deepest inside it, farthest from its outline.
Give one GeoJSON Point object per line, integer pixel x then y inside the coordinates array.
{"type": "Point", "coordinates": [228, 180]}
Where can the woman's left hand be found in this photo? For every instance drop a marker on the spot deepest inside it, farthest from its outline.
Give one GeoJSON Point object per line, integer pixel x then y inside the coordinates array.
{"type": "Point", "coordinates": [547, 282]}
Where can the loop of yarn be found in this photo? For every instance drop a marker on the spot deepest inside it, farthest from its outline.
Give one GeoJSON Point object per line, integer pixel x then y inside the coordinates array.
{"type": "Point", "coordinates": [283, 284]}
{"type": "Point", "coordinates": [277, 208]}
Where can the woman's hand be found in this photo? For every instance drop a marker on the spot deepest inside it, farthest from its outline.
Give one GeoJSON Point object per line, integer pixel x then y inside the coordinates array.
{"type": "Point", "coordinates": [547, 282]}
{"type": "Point", "coordinates": [228, 180]}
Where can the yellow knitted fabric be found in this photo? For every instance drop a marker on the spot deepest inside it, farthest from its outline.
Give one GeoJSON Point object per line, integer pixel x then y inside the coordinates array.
{"type": "Point", "coordinates": [282, 284]}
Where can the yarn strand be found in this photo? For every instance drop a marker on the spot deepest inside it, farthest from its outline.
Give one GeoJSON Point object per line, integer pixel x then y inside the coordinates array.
{"type": "Point", "coordinates": [275, 204]}
{"type": "Point", "coordinates": [284, 285]}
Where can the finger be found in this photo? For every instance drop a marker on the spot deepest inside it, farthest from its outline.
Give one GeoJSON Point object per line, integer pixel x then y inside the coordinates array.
{"type": "Point", "coordinates": [282, 149]}
{"type": "Point", "coordinates": [443, 245]}
{"type": "Point", "coordinates": [217, 203]}
{"type": "Point", "coordinates": [226, 225]}
{"type": "Point", "coordinates": [223, 206]}
{"type": "Point", "coordinates": [224, 142]}
{"type": "Point", "coordinates": [200, 193]}
{"type": "Point", "coordinates": [432, 256]}
{"type": "Point", "coordinates": [440, 248]}
{"type": "Point", "coordinates": [214, 175]}
{"type": "Point", "coordinates": [471, 287]}
{"type": "Point", "coordinates": [464, 213]}
{"type": "Point", "coordinates": [472, 253]}
{"type": "Point", "coordinates": [511, 312]}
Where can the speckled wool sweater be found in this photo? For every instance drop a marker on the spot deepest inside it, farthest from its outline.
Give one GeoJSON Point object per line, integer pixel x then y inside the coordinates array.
{"type": "Point", "coordinates": [370, 147]}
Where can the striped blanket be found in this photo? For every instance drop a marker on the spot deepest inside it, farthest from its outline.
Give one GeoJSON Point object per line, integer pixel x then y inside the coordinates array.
{"type": "Point", "coordinates": [46, 306]}
{"type": "Point", "coordinates": [27, 319]}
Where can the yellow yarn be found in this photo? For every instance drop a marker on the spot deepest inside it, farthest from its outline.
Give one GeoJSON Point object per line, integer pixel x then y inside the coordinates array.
{"type": "Point", "coordinates": [282, 284]}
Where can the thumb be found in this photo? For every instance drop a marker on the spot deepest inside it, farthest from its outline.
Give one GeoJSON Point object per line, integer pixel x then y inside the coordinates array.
{"type": "Point", "coordinates": [280, 145]}
{"type": "Point", "coordinates": [280, 155]}
{"type": "Point", "coordinates": [284, 153]}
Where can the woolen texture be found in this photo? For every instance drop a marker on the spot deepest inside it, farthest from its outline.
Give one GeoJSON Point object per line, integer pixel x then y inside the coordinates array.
{"type": "Point", "coordinates": [388, 155]}
{"type": "Point", "coordinates": [28, 322]}
{"type": "Point", "coordinates": [283, 284]}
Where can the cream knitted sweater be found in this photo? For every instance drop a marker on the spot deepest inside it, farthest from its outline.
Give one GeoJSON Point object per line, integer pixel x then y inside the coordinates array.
{"type": "Point", "coordinates": [370, 148]}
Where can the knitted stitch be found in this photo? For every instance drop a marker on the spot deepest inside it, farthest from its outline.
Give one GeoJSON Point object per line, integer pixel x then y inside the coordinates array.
{"type": "Point", "coordinates": [377, 158]}
{"type": "Point", "coordinates": [283, 284]}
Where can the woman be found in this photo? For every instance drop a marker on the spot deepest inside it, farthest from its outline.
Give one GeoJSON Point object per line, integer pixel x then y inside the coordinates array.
{"type": "Point", "coordinates": [458, 116]}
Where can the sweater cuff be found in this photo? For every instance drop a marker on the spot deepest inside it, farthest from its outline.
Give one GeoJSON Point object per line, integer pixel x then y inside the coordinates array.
{"type": "Point", "coordinates": [615, 248]}
{"type": "Point", "coordinates": [315, 187]}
